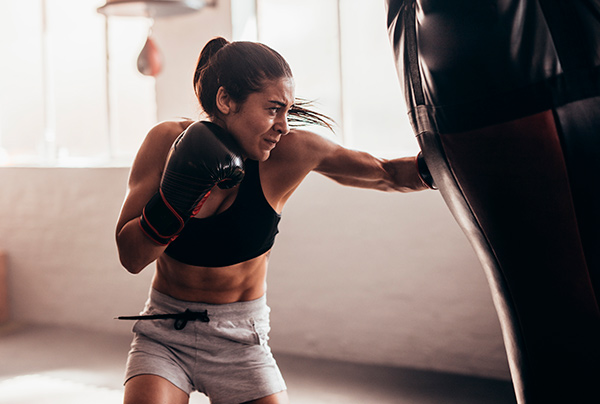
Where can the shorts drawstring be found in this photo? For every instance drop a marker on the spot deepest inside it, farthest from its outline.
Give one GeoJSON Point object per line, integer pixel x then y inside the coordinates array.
{"type": "Point", "coordinates": [181, 319]}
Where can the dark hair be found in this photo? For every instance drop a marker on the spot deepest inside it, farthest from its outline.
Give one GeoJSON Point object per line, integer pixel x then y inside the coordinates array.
{"type": "Point", "coordinates": [241, 68]}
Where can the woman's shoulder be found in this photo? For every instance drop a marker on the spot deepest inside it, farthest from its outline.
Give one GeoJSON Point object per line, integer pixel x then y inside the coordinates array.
{"type": "Point", "coordinates": [156, 145]}
{"type": "Point", "coordinates": [298, 153]}
{"type": "Point", "coordinates": [169, 129]}
{"type": "Point", "coordinates": [302, 145]}
{"type": "Point", "coordinates": [296, 142]}
{"type": "Point", "coordinates": [162, 135]}
{"type": "Point", "coordinates": [295, 156]}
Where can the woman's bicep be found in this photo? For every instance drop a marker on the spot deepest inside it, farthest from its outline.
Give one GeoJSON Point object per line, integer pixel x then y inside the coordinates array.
{"type": "Point", "coordinates": [136, 250]}
{"type": "Point", "coordinates": [144, 178]}
{"type": "Point", "coordinates": [305, 151]}
{"type": "Point", "coordinates": [136, 197]}
{"type": "Point", "coordinates": [350, 167]}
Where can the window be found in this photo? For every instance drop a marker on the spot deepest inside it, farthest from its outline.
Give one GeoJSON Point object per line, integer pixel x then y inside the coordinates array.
{"type": "Point", "coordinates": [61, 104]}
{"type": "Point", "coordinates": [341, 56]}
{"type": "Point", "coordinates": [57, 104]}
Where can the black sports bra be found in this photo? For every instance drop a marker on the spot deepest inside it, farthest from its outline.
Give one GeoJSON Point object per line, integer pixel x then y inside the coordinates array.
{"type": "Point", "coordinates": [244, 231]}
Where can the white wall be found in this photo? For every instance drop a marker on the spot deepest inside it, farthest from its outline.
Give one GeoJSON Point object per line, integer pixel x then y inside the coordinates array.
{"type": "Point", "coordinates": [384, 278]}
{"type": "Point", "coordinates": [57, 228]}
{"type": "Point", "coordinates": [355, 275]}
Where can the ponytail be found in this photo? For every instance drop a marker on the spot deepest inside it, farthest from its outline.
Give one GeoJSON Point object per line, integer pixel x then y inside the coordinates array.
{"type": "Point", "coordinates": [301, 114]}
{"type": "Point", "coordinates": [206, 82]}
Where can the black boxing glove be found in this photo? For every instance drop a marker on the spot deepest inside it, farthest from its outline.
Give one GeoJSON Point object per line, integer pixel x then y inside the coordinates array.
{"type": "Point", "coordinates": [203, 156]}
{"type": "Point", "coordinates": [424, 172]}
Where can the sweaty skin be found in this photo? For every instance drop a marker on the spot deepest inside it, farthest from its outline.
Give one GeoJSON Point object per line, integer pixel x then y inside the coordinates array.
{"type": "Point", "coordinates": [285, 158]}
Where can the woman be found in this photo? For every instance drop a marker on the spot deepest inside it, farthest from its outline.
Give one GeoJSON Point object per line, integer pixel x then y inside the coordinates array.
{"type": "Point", "coordinates": [211, 262]}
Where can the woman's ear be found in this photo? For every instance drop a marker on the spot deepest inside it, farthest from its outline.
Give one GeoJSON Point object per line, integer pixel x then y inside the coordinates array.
{"type": "Point", "coordinates": [225, 104]}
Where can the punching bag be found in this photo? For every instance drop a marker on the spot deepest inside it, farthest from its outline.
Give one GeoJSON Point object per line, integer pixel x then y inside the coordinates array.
{"type": "Point", "coordinates": [504, 98]}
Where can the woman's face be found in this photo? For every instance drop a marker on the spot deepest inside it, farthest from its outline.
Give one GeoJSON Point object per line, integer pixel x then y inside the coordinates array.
{"type": "Point", "coordinates": [259, 122]}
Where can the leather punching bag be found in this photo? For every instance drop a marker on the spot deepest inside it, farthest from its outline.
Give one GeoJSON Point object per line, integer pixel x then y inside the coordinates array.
{"type": "Point", "coordinates": [504, 98]}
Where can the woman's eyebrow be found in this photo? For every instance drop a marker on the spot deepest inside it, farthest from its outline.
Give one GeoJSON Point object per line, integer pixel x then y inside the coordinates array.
{"type": "Point", "coordinates": [278, 103]}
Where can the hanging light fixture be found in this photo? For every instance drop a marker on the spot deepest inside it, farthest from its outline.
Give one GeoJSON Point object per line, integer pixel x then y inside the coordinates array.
{"type": "Point", "coordinates": [150, 8]}
{"type": "Point", "coordinates": [150, 61]}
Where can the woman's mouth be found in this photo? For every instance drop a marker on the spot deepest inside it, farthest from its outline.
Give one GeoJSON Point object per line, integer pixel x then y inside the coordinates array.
{"type": "Point", "coordinates": [271, 143]}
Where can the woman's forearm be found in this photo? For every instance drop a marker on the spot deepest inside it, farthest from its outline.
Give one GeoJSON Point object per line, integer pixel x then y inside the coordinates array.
{"type": "Point", "coordinates": [136, 250]}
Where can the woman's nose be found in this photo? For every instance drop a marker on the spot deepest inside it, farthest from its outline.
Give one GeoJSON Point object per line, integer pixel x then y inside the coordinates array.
{"type": "Point", "coordinates": [282, 126]}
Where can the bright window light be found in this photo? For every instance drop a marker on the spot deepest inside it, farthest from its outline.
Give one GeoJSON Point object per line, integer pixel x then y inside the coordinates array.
{"type": "Point", "coordinates": [54, 109]}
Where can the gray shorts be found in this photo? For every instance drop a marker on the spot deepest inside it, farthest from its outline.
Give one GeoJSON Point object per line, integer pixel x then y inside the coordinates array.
{"type": "Point", "coordinates": [227, 358]}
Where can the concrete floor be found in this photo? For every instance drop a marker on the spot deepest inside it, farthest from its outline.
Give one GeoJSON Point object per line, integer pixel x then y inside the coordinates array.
{"type": "Point", "coordinates": [49, 365]}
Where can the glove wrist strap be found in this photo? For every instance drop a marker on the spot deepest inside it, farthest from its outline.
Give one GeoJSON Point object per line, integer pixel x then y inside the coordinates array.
{"type": "Point", "coordinates": [159, 221]}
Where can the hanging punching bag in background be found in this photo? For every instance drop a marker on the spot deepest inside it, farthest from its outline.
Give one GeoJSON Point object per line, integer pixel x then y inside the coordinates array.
{"type": "Point", "coordinates": [504, 97]}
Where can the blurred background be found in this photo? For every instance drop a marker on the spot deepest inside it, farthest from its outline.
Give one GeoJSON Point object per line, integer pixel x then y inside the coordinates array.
{"type": "Point", "coordinates": [357, 276]}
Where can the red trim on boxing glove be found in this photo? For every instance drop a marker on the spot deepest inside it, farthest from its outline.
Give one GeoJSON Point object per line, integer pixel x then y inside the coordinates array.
{"type": "Point", "coordinates": [159, 221]}
{"type": "Point", "coordinates": [152, 234]}
{"type": "Point", "coordinates": [199, 205]}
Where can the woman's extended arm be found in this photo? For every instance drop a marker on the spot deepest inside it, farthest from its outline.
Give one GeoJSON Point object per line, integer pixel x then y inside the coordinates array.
{"type": "Point", "coordinates": [360, 169]}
